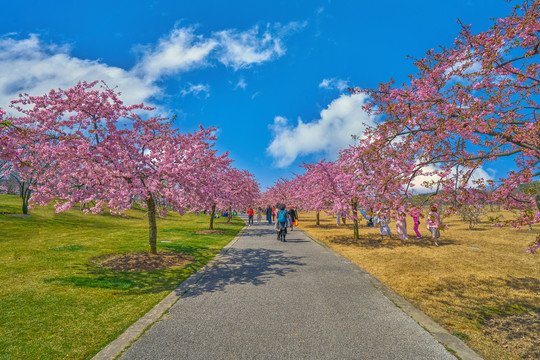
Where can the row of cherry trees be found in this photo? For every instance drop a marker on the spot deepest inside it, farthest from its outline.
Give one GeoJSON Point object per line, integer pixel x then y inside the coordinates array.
{"type": "Point", "coordinates": [468, 105]}
{"type": "Point", "coordinates": [84, 146]}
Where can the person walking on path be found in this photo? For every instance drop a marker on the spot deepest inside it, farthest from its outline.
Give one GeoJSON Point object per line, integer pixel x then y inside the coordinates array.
{"type": "Point", "coordinates": [281, 223]}
{"type": "Point", "coordinates": [434, 224]}
{"type": "Point", "coordinates": [384, 227]}
{"type": "Point", "coordinates": [250, 216]}
{"type": "Point", "coordinates": [292, 217]}
{"type": "Point", "coordinates": [259, 215]}
{"type": "Point", "coordinates": [269, 214]}
{"type": "Point", "coordinates": [274, 213]}
{"type": "Point", "coordinates": [401, 225]}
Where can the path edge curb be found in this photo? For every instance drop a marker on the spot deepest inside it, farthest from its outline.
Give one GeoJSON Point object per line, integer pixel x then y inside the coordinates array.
{"type": "Point", "coordinates": [453, 344]}
{"type": "Point", "coordinates": [116, 347]}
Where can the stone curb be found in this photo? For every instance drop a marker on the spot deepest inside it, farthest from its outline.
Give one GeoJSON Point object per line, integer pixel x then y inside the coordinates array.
{"type": "Point", "coordinates": [457, 347]}
{"type": "Point", "coordinates": [132, 333]}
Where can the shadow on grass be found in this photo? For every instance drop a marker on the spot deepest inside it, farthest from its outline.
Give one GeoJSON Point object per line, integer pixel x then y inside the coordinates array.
{"type": "Point", "coordinates": [473, 304]}
{"type": "Point", "coordinates": [236, 223]}
{"type": "Point", "coordinates": [327, 226]}
{"type": "Point", "coordinates": [129, 283]}
{"type": "Point", "coordinates": [133, 283]}
{"type": "Point", "coordinates": [525, 283]}
{"type": "Point", "coordinates": [511, 318]}
{"type": "Point", "coordinates": [478, 229]}
{"type": "Point", "coordinates": [373, 241]}
{"type": "Point", "coordinates": [246, 266]}
{"type": "Point", "coordinates": [200, 252]}
{"type": "Point", "coordinates": [72, 248]}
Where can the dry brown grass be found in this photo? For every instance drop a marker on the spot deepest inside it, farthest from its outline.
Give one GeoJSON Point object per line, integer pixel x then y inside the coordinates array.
{"type": "Point", "coordinates": [489, 297]}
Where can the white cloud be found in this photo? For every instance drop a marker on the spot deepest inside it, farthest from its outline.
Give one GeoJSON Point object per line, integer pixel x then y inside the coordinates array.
{"type": "Point", "coordinates": [30, 66]}
{"type": "Point", "coordinates": [242, 49]}
{"type": "Point", "coordinates": [34, 67]}
{"type": "Point", "coordinates": [328, 134]}
{"type": "Point", "coordinates": [479, 173]}
{"type": "Point", "coordinates": [470, 69]}
{"type": "Point", "coordinates": [334, 83]}
{"type": "Point", "coordinates": [181, 50]}
{"type": "Point", "coordinates": [241, 84]}
{"type": "Point", "coordinates": [196, 89]}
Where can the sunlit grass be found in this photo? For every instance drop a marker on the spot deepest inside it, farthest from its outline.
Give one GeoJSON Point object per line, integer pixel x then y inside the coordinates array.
{"type": "Point", "coordinates": [480, 284]}
{"type": "Point", "coordinates": [57, 303]}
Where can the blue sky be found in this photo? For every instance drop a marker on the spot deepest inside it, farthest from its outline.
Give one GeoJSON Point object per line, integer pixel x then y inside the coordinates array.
{"type": "Point", "coordinates": [271, 75]}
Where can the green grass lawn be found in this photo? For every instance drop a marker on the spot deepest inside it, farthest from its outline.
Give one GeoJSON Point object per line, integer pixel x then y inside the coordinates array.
{"type": "Point", "coordinates": [56, 303]}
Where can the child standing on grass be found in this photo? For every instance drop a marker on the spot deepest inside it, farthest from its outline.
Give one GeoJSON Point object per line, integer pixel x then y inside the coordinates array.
{"type": "Point", "coordinates": [401, 225]}
{"type": "Point", "coordinates": [433, 222]}
{"type": "Point", "coordinates": [384, 227]}
{"type": "Point", "coordinates": [415, 213]}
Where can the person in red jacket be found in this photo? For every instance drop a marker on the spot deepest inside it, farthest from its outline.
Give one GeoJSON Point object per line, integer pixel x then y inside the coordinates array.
{"type": "Point", "coordinates": [250, 216]}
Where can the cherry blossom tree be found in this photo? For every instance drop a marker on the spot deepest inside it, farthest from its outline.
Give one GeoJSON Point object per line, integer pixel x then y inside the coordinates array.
{"type": "Point", "coordinates": [320, 190]}
{"type": "Point", "coordinates": [241, 191]}
{"type": "Point", "coordinates": [225, 188]}
{"type": "Point", "coordinates": [468, 105]}
{"type": "Point", "coordinates": [16, 157]}
{"type": "Point", "coordinates": [279, 192]}
{"type": "Point", "coordinates": [327, 186]}
{"type": "Point", "coordinates": [89, 148]}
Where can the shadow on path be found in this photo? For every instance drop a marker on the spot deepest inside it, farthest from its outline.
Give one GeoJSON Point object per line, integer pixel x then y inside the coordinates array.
{"type": "Point", "coordinates": [257, 233]}
{"type": "Point", "coordinates": [246, 266]}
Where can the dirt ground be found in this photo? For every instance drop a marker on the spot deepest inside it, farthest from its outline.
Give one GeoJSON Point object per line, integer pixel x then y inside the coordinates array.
{"type": "Point", "coordinates": [208, 231]}
{"type": "Point", "coordinates": [143, 261]}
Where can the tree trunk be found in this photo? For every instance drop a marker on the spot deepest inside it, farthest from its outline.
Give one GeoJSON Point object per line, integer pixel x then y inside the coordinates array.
{"type": "Point", "coordinates": [537, 199]}
{"type": "Point", "coordinates": [152, 225]}
{"type": "Point", "coordinates": [355, 219]}
{"type": "Point", "coordinates": [25, 196]}
{"type": "Point", "coordinates": [318, 221]}
{"type": "Point", "coordinates": [229, 217]}
{"type": "Point", "coordinates": [212, 217]}
{"type": "Point", "coordinates": [25, 206]}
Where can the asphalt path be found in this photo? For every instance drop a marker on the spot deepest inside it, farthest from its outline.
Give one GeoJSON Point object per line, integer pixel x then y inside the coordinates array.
{"type": "Point", "coordinates": [266, 299]}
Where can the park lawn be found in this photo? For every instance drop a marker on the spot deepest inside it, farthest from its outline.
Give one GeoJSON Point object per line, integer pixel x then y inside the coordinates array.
{"type": "Point", "coordinates": [57, 303]}
{"type": "Point", "coordinates": [479, 284]}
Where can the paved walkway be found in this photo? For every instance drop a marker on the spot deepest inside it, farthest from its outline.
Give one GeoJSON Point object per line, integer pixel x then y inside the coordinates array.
{"type": "Point", "coordinates": [266, 299]}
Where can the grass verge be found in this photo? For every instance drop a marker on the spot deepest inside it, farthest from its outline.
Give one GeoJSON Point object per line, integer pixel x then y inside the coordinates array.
{"type": "Point", "coordinates": [57, 303]}
{"type": "Point", "coordinates": [479, 284]}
